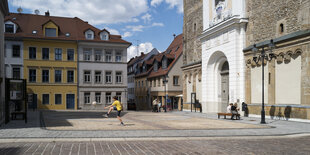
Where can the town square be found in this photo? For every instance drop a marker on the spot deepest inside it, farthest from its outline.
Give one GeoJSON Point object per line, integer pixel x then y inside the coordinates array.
{"type": "Point", "coordinates": [155, 77]}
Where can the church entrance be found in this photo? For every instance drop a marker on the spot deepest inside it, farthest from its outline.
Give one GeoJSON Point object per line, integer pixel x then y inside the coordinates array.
{"type": "Point", "coordinates": [224, 86]}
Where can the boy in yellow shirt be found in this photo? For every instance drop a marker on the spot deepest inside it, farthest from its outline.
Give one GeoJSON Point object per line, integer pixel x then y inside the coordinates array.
{"type": "Point", "coordinates": [117, 105]}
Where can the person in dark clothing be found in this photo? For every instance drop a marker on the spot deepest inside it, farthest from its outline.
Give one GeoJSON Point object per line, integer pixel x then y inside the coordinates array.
{"type": "Point", "coordinates": [234, 110]}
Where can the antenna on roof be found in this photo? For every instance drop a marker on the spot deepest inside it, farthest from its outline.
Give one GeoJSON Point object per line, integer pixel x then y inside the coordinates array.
{"type": "Point", "coordinates": [19, 10]}
{"type": "Point", "coordinates": [36, 11]}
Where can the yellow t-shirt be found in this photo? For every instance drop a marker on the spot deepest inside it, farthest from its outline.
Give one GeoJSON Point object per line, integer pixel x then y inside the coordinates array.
{"type": "Point", "coordinates": [118, 105]}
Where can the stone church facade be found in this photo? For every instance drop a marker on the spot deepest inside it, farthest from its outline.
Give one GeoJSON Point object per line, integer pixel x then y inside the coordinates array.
{"type": "Point", "coordinates": [223, 39]}
{"type": "Point", "coordinates": [287, 70]}
{"type": "Point", "coordinates": [192, 28]}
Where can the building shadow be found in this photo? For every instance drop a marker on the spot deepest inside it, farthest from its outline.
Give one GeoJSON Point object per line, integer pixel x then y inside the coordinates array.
{"type": "Point", "coordinates": [10, 150]}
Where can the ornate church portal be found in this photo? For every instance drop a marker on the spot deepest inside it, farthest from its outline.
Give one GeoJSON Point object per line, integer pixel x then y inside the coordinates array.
{"type": "Point", "coordinates": [223, 40]}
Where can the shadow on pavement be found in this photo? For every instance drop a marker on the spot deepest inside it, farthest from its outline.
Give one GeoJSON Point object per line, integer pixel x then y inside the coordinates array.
{"type": "Point", "coordinates": [60, 118]}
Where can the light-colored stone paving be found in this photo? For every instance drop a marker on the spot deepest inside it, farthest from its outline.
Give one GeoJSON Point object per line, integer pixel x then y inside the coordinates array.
{"type": "Point", "coordinates": [136, 121]}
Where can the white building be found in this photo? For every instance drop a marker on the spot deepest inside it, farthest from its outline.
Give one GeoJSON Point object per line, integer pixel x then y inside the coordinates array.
{"type": "Point", "coordinates": [102, 66]}
{"type": "Point", "coordinates": [223, 39]}
{"type": "Point", "coordinates": [14, 64]}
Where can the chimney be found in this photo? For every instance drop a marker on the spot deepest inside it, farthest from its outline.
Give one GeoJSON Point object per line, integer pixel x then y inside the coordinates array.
{"type": "Point", "coordinates": [174, 36]}
{"type": "Point", "coordinates": [47, 13]}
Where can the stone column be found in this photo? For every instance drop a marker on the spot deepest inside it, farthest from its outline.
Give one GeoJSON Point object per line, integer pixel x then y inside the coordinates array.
{"type": "Point", "coordinates": [184, 87]}
{"type": "Point", "coordinates": [305, 75]}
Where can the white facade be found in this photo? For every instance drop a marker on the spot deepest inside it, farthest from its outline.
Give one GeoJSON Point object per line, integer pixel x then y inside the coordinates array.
{"type": "Point", "coordinates": [223, 40]}
{"type": "Point", "coordinates": [14, 60]}
{"type": "Point", "coordinates": [102, 74]}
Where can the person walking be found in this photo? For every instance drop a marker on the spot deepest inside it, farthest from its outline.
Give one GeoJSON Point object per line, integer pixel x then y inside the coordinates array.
{"type": "Point", "coordinates": [116, 105]}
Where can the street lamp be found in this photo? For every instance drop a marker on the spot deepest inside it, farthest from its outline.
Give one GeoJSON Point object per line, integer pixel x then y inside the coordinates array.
{"type": "Point", "coordinates": [263, 55]}
{"type": "Point", "coordinates": [165, 80]}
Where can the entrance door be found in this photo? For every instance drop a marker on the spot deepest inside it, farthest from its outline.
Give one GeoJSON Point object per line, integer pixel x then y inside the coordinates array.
{"type": "Point", "coordinates": [70, 101]}
{"type": "Point", "coordinates": [225, 86]}
{"type": "Point", "coordinates": [34, 101]}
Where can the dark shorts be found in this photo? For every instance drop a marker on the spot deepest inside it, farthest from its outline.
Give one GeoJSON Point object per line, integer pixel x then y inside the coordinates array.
{"type": "Point", "coordinates": [118, 112]}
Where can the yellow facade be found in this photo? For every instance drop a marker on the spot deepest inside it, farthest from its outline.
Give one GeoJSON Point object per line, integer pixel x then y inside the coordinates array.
{"type": "Point", "coordinates": [50, 24]}
{"type": "Point", "coordinates": [51, 87]}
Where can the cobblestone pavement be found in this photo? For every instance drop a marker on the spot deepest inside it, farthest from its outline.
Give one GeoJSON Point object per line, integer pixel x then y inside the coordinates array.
{"type": "Point", "coordinates": [18, 129]}
{"type": "Point", "coordinates": [226, 146]}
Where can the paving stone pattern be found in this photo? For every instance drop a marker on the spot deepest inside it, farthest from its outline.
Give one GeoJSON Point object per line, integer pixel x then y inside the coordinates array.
{"type": "Point", "coordinates": [274, 146]}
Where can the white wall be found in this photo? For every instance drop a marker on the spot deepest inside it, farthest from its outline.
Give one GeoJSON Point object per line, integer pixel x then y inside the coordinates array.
{"type": "Point", "coordinates": [10, 61]}
{"type": "Point", "coordinates": [256, 85]}
{"type": "Point", "coordinates": [288, 80]}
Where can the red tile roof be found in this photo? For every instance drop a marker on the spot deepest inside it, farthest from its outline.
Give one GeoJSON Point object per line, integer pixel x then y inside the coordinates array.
{"type": "Point", "coordinates": [75, 26]}
{"type": "Point", "coordinates": [174, 51]}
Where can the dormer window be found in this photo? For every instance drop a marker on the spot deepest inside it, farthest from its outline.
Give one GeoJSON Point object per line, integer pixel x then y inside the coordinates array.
{"type": "Point", "coordinates": [155, 66]}
{"type": "Point", "coordinates": [50, 32]}
{"type": "Point", "coordinates": [164, 63]}
{"type": "Point", "coordinates": [104, 35]}
{"type": "Point", "coordinates": [89, 34]}
{"type": "Point", "coordinates": [9, 28]}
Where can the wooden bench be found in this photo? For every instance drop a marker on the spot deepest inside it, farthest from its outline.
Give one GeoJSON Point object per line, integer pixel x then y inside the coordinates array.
{"type": "Point", "coordinates": [15, 113]}
{"type": "Point", "coordinates": [226, 114]}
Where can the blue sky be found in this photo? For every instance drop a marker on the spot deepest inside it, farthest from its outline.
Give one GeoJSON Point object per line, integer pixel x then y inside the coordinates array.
{"type": "Point", "coordinates": [151, 22]}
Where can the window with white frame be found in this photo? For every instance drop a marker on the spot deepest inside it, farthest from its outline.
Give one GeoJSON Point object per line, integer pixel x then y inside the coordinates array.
{"type": "Point", "coordinates": [58, 54]}
{"type": "Point", "coordinates": [97, 76]}
{"type": "Point", "coordinates": [104, 35]}
{"type": "Point", "coordinates": [16, 73]}
{"type": "Point", "coordinates": [118, 76]}
{"type": "Point", "coordinates": [70, 76]}
{"type": "Point", "coordinates": [9, 28]}
{"type": "Point", "coordinates": [89, 34]}
{"type": "Point", "coordinates": [176, 80]}
{"type": "Point", "coordinates": [70, 54]}
{"type": "Point", "coordinates": [108, 77]}
{"type": "Point", "coordinates": [87, 76]}
{"type": "Point", "coordinates": [45, 99]}
{"type": "Point", "coordinates": [154, 82]}
{"type": "Point", "coordinates": [98, 97]}
{"type": "Point", "coordinates": [50, 32]}
{"type": "Point", "coordinates": [118, 57]}
{"type": "Point", "coordinates": [108, 98]}
{"type": "Point", "coordinates": [86, 98]}
{"type": "Point", "coordinates": [98, 55]}
{"type": "Point", "coordinates": [32, 75]}
{"type": "Point", "coordinates": [58, 75]}
{"type": "Point", "coordinates": [16, 51]}
{"type": "Point", "coordinates": [86, 55]}
{"type": "Point", "coordinates": [58, 98]}
{"type": "Point", "coordinates": [119, 96]}
{"type": "Point", "coordinates": [45, 53]}
{"type": "Point", "coordinates": [32, 52]}
{"type": "Point", "coordinates": [108, 56]}
{"type": "Point", "coordinates": [45, 76]}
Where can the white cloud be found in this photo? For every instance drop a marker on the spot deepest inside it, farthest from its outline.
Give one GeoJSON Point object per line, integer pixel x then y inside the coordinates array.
{"type": "Point", "coordinates": [172, 3]}
{"type": "Point", "coordinates": [95, 11]}
{"type": "Point", "coordinates": [143, 47]}
{"type": "Point", "coordinates": [135, 28]}
{"type": "Point", "coordinates": [147, 18]}
{"type": "Point", "coordinates": [135, 20]}
{"type": "Point", "coordinates": [158, 24]}
{"type": "Point", "coordinates": [156, 2]}
{"type": "Point", "coordinates": [127, 34]}
{"type": "Point", "coordinates": [113, 31]}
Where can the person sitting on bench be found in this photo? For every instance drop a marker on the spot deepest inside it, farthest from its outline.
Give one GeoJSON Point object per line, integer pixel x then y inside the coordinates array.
{"type": "Point", "coordinates": [234, 110]}
{"type": "Point", "coordinates": [229, 108]}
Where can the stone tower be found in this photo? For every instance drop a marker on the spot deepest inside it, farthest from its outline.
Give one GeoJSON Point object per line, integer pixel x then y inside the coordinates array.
{"type": "Point", "coordinates": [192, 28]}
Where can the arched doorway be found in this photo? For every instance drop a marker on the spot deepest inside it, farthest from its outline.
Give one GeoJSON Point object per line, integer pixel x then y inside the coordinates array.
{"type": "Point", "coordinates": [224, 86]}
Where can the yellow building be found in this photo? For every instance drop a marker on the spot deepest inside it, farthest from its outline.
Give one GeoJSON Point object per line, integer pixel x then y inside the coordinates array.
{"type": "Point", "coordinates": [52, 78]}
{"type": "Point", "coordinates": [49, 58]}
